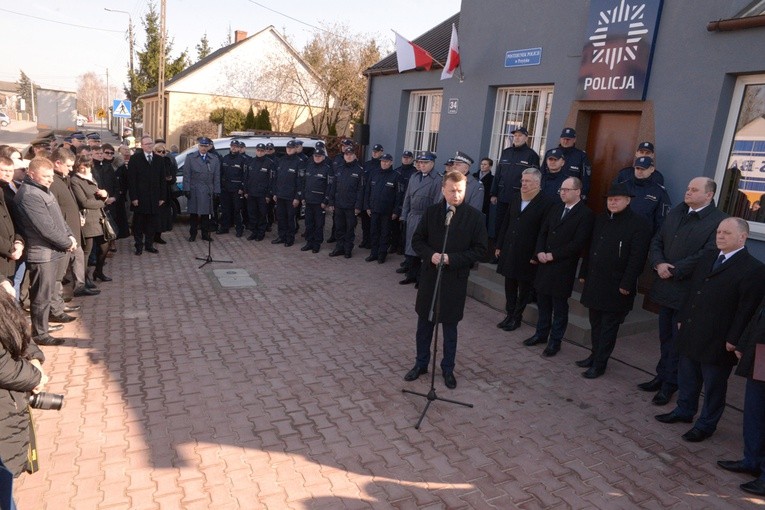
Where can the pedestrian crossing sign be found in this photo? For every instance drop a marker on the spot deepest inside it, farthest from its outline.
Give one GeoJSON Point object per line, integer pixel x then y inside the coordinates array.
{"type": "Point", "coordinates": [121, 109]}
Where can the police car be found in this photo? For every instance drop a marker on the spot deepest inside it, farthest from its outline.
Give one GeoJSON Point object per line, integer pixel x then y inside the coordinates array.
{"type": "Point", "coordinates": [223, 147]}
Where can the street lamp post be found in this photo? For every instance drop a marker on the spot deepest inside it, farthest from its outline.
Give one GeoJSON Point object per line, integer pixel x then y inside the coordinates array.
{"type": "Point", "coordinates": [131, 42]}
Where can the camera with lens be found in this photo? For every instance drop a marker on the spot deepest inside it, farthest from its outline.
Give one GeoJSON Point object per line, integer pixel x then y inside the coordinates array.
{"type": "Point", "coordinates": [44, 400]}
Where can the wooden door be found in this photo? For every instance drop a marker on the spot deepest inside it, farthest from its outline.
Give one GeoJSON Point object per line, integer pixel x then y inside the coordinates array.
{"type": "Point", "coordinates": [611, 143]}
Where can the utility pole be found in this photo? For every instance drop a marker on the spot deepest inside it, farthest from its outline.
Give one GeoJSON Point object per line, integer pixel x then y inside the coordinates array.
{"type": "Point", "coordinates": [161, 82]}
{"type": "Point", "coordinates": [32, 90]}
{"type": "Point", "coordinates": [106, 106]}
{"type": "Point", "coordinates": [131, 44]}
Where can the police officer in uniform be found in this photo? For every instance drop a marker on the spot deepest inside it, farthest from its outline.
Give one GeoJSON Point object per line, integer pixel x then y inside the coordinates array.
{"type": "Point", "coordinates": [336, 162]}
{"type": "Point", "coordinates": [257, 183]}
{"type": "Point", "coordinates": [649, 198]}
{"type": "Point", "coordinates": [576, 162]}
{"type": "Point", "coordinates": [474, 191]}
{"type": "Point", "coordinates": [371, 166]}
{"type": "Point", "coordinates": [552, 173]}
{"type": "Point", "coordinates": [232, 190]}
{"type": "Point", "coordinates": [382, 205]}
{"type": "Point", "coordinates": [346, 196]}
{"type": "Point", "coordinates": [644, 149]}
{"type": "Point", "coordinates": [398, 228]}
{"type": "Point", "coordinates": [287, 193]}
{"type": "Point", "coordinates": [315, 186]}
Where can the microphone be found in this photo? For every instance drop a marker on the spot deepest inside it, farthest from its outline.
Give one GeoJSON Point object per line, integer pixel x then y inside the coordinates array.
{"type": "Point", "coordinates": [449, 215]}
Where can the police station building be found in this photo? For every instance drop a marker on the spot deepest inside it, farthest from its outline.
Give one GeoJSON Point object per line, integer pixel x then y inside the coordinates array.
{"type": "Point", "coordinates": [688, 75]}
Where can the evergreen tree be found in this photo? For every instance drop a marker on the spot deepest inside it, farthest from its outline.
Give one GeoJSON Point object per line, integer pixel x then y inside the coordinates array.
{"type": "Point", "coordinates": [25, 91]}
{"type": "Point", "coordinates": [231, 119]}
{"type": "Point", "coordinates": [263, 121]}
{"type": "Point", "coordinates": [203, 48]}
{"type": "Point", "coordinates": [249, 121]}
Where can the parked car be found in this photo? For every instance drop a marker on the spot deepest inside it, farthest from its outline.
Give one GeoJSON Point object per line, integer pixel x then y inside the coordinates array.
{"type": "Point", "coordinates": [81, 120]}
{"type": "Point", "coordinates": [223, 147]}
{"type": "Point", "coordinates": [4, 119]}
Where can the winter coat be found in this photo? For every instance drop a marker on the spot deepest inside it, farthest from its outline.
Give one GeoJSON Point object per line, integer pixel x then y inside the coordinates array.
{"type": "Point", "coordinates": [420, 194]}
{"type": "Point", "coordinates": [201, 179]}
{"type": "Point", "coordinates": [91, 206]}
{"type": "Point", "coordinates": [146, 183]}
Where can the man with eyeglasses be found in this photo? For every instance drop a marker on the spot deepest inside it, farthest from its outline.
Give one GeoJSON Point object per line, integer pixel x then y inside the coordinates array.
{"type": "Point", "coordinates": [564, 235]}
{"type": "Point", "coordinates": [146, 184]}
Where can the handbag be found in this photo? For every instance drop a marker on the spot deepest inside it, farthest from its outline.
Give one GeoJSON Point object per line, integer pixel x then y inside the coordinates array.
{"type": "Point", "coordinates": [107, 226]}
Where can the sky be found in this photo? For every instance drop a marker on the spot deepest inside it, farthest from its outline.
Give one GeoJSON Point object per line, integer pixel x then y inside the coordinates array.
{"type": "Point", "coordinates": [54, 42]}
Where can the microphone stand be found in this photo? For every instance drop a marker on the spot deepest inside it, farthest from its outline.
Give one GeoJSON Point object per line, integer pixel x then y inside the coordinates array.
{"type": "Point", "coordinates": [433, 316]}
{"type": "Point", "coordinates": [208, 259]}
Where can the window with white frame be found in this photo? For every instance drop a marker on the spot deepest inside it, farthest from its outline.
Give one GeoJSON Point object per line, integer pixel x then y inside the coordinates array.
{"type": "Point", "coordinates": [741, 167]}
{"type": "Point", "coordinates": [423, 121]}
{"type": "Point", "coordinates": [521, 106]}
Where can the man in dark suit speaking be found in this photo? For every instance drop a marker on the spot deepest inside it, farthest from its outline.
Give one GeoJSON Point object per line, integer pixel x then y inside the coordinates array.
{"type": "Point", "coordinates": [466, 244]}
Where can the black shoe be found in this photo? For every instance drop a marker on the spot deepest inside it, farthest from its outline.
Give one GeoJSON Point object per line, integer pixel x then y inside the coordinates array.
{"type": "Point", "coordinates": [315, 250]}
{"type": "Point", "coordinates": [593, 372]}
{"type": "Point", "coordinates": [192, 238]}
{"type": "Point", "coordinates": [756, 487]}
{"type": "Point", "coordinates": [505, 321]}
{"type": "Point", "coordinates": [61, 318]}
{"type": "Point", "coordinates": [138, 251]}
{"type": "Point", "coordinates": [652, 385]}
{"type": "Point", "coordinates": [89, 284]}
{"type": "Point", "coordinates": [102, 277]}
{"type": "Point", "coordinates": [534, 340]}
{"type": "Point", "coordinates": [206, 237]}
{"type": "Point", "coordinates": [252, 237]}
{"type": "Point", "coordinates": [414, 373]}
{"type": "Point", "coordinates": [512, 325]}
{"type": "Point", "coordinates": [371, 258]}
{"type": "Point", "coordinates": [673, 417]}
{"type": "Point", "coordinates": [239, 233]}
{"type": "Point", "coordinates": [584, 363]}
{"type": "Point", "coordinates": [662, 397]}
{"type": "Point", "coordinates": [55, 327]}
{"type": "Point", "coordinates": [83, 291]}
{"type": "Point", "coordinates": [49, 340]}
{"type": "Point", "coordinates": [305, 247]}
{"type": "Point", "coordinates": [159, 240]}
{"type": "Point", "coordinates": [407, 281]}
{"type": "Point", "coordinates": [450, 381]}
{"type": "Point", "coordinates": [152, 250]}
{"type": "Point", "coordinates": [288, 243]}
{"type": "Point", "coordinates": [347, 255]}
{"type": "Point", "coordinates": [220, 231]}
{"type": "Point", "coordinates": [696, 435]}
{"type": "Point", "coordinates": [381, 258]}
{"type": "Point", "coordinates": [738, 466]}
{"type": "Point", "coordinates": [549, 352]}
{"type": "Point", "coordinates": [402, 270]}
{"type": "Point", "coordinates": [72, 308]}
{"type": "Point", "coordinates": [335, 253]}
{"type": "Point", "coordinates": [278, 240]}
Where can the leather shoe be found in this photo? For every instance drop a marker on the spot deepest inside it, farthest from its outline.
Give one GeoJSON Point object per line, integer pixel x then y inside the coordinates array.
{"type": "Point", "coordinates": [305, 247]}
{"type": "Point", "coordinates": [696, 435]}
{"type": "Point", "coordinates": [652, 385]}
{"type": "Point", "coordinates": [288, 243]}
{"type": "Point", "coordinates": [55, 327]}
{"type": "Point", "coordinates": [662, 398]}
{"type": "Point", "coordinates": [673, 417]}
{"type": "Point", "coordinates": [407, 281]}
{"type": "Point", "coordinates": [512, 325]}
{"type": "Point", "coordinates": [414, 373]}
{"type": "Point", "coordinates": [85, 292]}
{"type": "Point", "coordinates": [61, 318]}
{"type": "Point", "coordinates": [593, 373]}
{"type": "Point", "coordinates": [505, 321]}
{"type": "Point", "coordinates": [49, 340]}
{"type": "Point", "coordinates": [138, 251]}
{"type": "Point", "coordinates": [347, 255]}
{"type": "Point", "coordinates": [192, 238]}
{"type": "Point", "coordinates": [549, 352]}
{"type": "Point", "coordinates": [252, 237]}
{"type": "Point", "coordinates": [335, 253]}
{"type": "Point", "coordinates": [584, 363]}
{"type": "Point", "coordinates": [72, 308]}
{"type": "Point", "coordinates": [370, 258]}
{"type": "Point", "coordinates": [738, 466]}
{"type": "Point", "coordinates": [754, 487]}
{"type": "Point", "coordinates": [315, 250]}
{"type": "Point", "coordinates": [152, 250]}
{"type": "Point", "coordinates": [534, 340]}
{"type": "Point", "coordinates": [381, 258]}
{"type": "Point", "coordinates": [402, 270]}
{"type": "Point", "coordinates": [450, 381]}
{"type": "Point", "coordinates": [278, 240]}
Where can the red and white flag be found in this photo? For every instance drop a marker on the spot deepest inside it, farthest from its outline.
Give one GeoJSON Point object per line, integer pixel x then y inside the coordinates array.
{"type": "Point", "coordinates": [411, 56]}
{"type": "Point", "coordinates": [453, 60]}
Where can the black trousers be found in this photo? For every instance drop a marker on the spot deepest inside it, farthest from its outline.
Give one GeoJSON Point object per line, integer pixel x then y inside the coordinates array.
{"type": "Point", "coordinates": [314, 225]}
{"type": "Point", "coordinates": [144, 227]}
{"type": "Point", "coordinates": [345, 223]}
{"type": "Point", "coordinates": [231, 210]}
{"type": "Point", "coordinates": [257, 208]}
{"type": "Point", "coordinates": [379, 233]}
{"type": "Point", "coordinates": [42, 284]}
{"type": "Point", "coordinates": [605, 327]}
{"type": "Point", "coordinates": [366, 223]}
{"type": "Point", "coordinates": [517, 295]}
{"type": "Point", "coordinates": [424, 339]}
{"type": "Point", "coordinates": [285, 219]}
{"type": "Point", "coordinates": [196, 219]}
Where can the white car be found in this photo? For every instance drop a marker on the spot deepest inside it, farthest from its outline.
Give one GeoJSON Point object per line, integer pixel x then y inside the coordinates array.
{"type": "Point", "coordinates": [4, 119]}
{"type": "Point", "coordinates": [81, 120]}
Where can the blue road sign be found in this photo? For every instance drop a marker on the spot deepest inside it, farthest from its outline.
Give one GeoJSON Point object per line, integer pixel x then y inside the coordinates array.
{"type": "Point", "coordinates": [521, 58]}
{"type": "Point", "coordinates": [121, 108]}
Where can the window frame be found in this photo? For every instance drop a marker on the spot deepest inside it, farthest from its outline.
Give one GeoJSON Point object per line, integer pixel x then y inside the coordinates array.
{"type": "Point", "coordinates": [418, 140]}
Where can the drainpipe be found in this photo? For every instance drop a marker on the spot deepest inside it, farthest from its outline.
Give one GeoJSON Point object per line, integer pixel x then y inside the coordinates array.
{"type": "Point", "coordinates": [727, 25]}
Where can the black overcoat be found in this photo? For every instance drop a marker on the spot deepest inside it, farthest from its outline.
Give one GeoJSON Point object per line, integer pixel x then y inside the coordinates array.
{"type": "Point", "coordinates": [753, 335]}
{"type": "Point", "coordinates": [566, 239]}
{"type": "Point", "coordinates": [517, 238]}
{"type": "Point", "coordinates": [8, 237]}
{"type": "Point", "coordinates": [719, 306]}
{"type": "Point", "coordinates": [68, 204]}
{"type": "Point", "coordinates": [146, 183]}
{"type": "Point", "coordinates": [467, 244]}
{"type": "Point", "coordinates": [616, 257]}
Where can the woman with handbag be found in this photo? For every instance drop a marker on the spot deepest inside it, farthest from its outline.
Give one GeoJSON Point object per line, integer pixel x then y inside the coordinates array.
{"type": "Point", "coordinates": [92, 201]}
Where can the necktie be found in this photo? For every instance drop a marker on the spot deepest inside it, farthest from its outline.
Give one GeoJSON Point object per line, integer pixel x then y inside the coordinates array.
{"type": "Point", "coordinates": [148, 158]}
{"type": "Point", "coordinates": [565, 212]}
{"type": "Point", "coordinates": [718, 262]}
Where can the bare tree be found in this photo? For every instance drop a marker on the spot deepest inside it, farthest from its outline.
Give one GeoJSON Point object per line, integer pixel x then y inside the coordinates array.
{"type": "Point", "coordinates": [92, 94]}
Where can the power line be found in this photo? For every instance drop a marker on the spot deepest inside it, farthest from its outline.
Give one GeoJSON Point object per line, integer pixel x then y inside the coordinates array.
{"type": "Point", "coordinates": [60, 22]}
{"type": "Point", "coordinates": [296, 20]}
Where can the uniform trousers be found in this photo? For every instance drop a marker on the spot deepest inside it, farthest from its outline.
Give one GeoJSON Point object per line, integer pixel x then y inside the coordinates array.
{"type": "Point", "coordinates": [692, 376]}
{"type": "Point", "coordinates": [379, 232]}
{"type": "Point", "coordinates": [285, 219]}
{"type": "Point", "coordinates": [754, 425]}
{"type": "Point", "coordinates": [194, 224]}
{"type": "Point", "coordinates": [604, 328]}
{"type": "Point", "coordinates": [257, 208]}
{"type": "Point", "coordinates": [314, 225]}
{"type": "Point", "coordinates": [553, 318]}
{"type": "Point", "coordinates": [366, 223]}
{"type": "Point", "coordinates": [425, 340]}
{"type": "Point", "coordinates": [231, 210]}
{"type": "Point", "coordinates": [42, 285]}
{"type": "Point", "coordinates": [666, 369]}
{"type": "Point", "coordinates": [345, 233]}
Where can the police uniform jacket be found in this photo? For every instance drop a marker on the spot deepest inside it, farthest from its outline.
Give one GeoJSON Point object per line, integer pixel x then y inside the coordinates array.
{"type": "Point", "coordinates": [371, 165]}
{"type": "Point", "coordinates": [287, 177]}
{"type": "Point", "coordinates": [381, 192]}
{"type": "Point", "coordinates": [650, 200]}
{"type": "Point", "coordinates": [681, 241]}
{"type": "Point", "coordinates": [486, 181]}
{"type": "Point", "coordinates": [512, 162]}
{"type": "Point", "coordinates": [753, 335]}
{"type": "Point", "coordinates": [146, 182]}
{"type": "Point", "coordinates": [406, 172]}
{"type": "Point", "coordinates": [474, 193]}
{"type": "Point", "coordinates": [616, 257]}
{"type": "Point", "coordinates": [421, 193]}
{"type": "Point", "coordinates": [257, 176]}
{"type": "Point", "coordinates": [201, 178]}
{"type": "Point", "coordinates": [566, 238]}
{"type": "Point", "coordinates": [552, 182]}
{"type": "Point", "coordinates": [46, 234]}
{"type": "Point", "coordinates": [232, 173]}
{"type": "Point", "coordinates": [68, 204]}
{"type": "Point", "coordinates": [346, 191]}
{"type": "Point", "coordinates": [628, 172]}
{"type": "Point", "coordinates": [8, 236]}
{"type": "Point", "coordinates": [577, 164]}
{"type": "Point", "coordinates": [85, 192]}
{"type": "Point", "coordinates": [466, 244]}
{"type": "Point", "coordinates": [517, 237]}
{"type": "Point", "coordinates": [719, 306]}
{"type": "Point", "coordinates": [316, 182]}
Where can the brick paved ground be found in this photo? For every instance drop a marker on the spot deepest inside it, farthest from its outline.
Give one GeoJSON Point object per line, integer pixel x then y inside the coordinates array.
{"type": "Point", "coordinates": [180, 394]}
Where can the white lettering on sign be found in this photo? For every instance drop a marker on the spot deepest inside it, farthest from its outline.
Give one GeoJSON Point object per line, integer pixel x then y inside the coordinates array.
{"type": "Point", "coordinates": [609, 83]}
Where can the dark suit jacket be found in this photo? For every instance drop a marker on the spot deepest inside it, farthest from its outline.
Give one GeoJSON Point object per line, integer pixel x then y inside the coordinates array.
{"type": "Point", "coordinates": [753, 334]}
{"type": "Point", "coordinates": [719, 306]}
{"type": "Point", "coordinates": [8, 236]}
{"type": "Point", "coordinates": [467, 243]}
{"type": "Point", "coordinates": [517, 238]}
{"type": "Point", "coordinates": [566, 239]}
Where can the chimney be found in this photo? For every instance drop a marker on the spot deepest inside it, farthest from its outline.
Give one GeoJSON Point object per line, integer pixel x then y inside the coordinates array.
{"type": "Point", "coordinates": [239, 35]}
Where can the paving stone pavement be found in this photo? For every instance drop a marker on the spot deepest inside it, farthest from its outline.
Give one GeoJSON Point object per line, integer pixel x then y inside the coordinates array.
{"type": "Point", "coordinates": [183, 394]}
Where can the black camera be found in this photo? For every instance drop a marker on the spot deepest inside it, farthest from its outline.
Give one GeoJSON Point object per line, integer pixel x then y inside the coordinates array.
{"type": "Point", "coordinates": [44, 400]}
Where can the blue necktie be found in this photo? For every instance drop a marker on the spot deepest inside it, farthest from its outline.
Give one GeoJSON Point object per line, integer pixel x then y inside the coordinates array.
{"type": "Point", "coordinates": [718, 262]}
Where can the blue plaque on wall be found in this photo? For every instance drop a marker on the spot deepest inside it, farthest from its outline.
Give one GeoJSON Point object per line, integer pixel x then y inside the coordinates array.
{"type": "Point", "coordinates": [616, 59]}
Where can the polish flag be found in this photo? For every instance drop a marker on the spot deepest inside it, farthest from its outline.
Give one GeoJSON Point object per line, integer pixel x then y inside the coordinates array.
{"type": "Point", "coordinates": [453, 60]}
{"type": "Point", "coordinates": [411, 56]}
